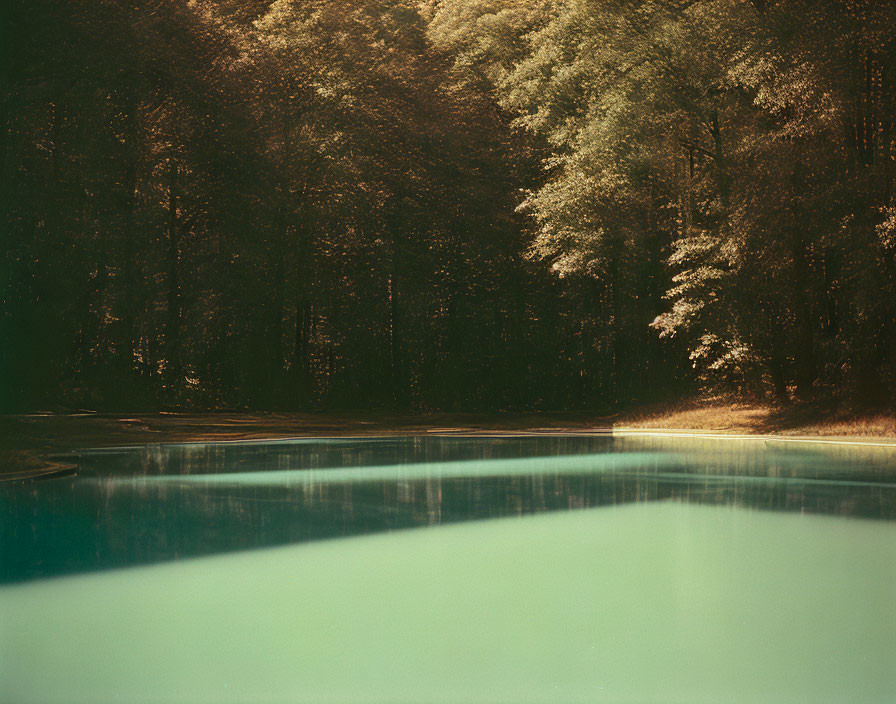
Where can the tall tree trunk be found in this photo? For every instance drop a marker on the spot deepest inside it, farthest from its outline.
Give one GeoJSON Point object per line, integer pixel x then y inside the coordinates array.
{"type": "Point", "coordinates": [173, 351]}
{"type": "Point", "coordinates": [804, 350]}
{"type": "Point", "coordinates": [274, 349]}
{"type": "Point", "coordinates": [723, 179]}
{"type": "Point", "coordinates": [397, 370]}
{"type": "Point", "coordinates": [451, 374]}
{"type": "Point", "coordinates": [128, 314]}
{"type": "Point", "coordinates": [301, 366]}
{"type": "Point", "coordinates": [777, 372]}
{"type": "Point", "coordinates": [619, 361]}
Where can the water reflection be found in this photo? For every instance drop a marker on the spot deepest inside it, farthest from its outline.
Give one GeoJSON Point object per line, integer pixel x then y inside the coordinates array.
{"type": "Point", "coordinates": [160, 503]}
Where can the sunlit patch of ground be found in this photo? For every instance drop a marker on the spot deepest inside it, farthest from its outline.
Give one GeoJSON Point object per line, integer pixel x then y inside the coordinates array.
{"type": "Point", "coordinates": [740, 418]}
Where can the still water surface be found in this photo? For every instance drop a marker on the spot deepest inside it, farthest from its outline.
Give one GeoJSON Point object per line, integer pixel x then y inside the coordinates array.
{"type": "Point", "coordinates": [544, 569]}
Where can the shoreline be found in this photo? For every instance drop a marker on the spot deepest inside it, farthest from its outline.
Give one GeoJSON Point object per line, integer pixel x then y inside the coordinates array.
{"type": "Point", "coordinates": [36, 446]}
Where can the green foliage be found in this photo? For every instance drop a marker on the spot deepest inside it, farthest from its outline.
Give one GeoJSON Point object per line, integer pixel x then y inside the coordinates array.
{"type": "Point", "coordinates": [447, 204]}
{"type": "Point", "coordinates": [261, 204]}
{"type": "Point", "coordinates": [752, 141]}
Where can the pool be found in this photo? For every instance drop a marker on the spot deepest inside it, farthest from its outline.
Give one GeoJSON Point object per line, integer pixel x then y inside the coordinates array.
{"type": "Point", "coordinates": [547, 568]}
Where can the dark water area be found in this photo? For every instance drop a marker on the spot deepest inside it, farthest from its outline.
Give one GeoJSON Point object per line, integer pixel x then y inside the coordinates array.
{"type": "Point", "coordinates": [154, 504]}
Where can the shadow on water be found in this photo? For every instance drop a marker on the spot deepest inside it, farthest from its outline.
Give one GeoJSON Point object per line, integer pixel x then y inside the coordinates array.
{"type": "Point", "coordinates": [156, 503]}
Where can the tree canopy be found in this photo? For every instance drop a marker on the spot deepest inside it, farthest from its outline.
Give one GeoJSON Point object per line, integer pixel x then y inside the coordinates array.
{"type": "Point", "coordinates": [450, 204]}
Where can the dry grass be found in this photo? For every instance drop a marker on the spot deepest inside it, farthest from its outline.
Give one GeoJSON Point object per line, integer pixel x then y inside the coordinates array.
{"type": "Point", "coordinates": [722, 417]}
{"type": "Point", "coordinates": [810, 420]}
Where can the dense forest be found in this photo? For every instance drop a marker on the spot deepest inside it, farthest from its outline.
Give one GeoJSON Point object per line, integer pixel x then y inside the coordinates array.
{"type": "Point", "coordinates": [446, 204]}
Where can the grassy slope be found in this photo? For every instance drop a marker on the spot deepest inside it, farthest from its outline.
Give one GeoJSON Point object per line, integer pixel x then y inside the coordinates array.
{"type": "Point", "coordinates": [28, 443]}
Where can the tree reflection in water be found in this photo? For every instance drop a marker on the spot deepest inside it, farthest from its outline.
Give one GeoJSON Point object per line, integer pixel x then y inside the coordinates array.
{"type": "Point", "coordinates": [157, 503]}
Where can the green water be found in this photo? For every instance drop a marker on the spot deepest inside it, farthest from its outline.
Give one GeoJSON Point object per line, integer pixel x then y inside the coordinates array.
{"type": "Point", "coordinates": [454, 570]}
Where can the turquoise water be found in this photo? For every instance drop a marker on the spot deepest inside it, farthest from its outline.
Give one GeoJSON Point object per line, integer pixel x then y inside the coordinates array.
{"type": "Point", "coordinates": [440, 569]}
